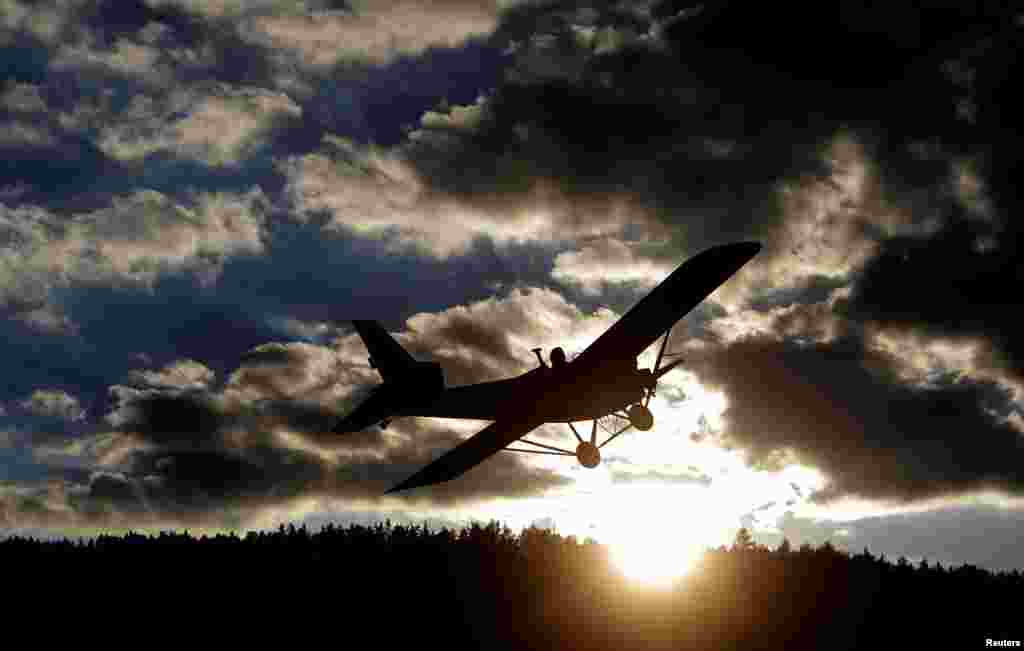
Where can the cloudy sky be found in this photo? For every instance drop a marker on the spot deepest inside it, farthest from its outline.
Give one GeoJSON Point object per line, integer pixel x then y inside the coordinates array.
{"type": "Point", "coordinates": [196, 197]}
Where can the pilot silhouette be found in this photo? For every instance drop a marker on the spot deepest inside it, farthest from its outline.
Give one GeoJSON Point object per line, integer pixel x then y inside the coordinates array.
{"type": "Point", "coordinates": [557, 358]}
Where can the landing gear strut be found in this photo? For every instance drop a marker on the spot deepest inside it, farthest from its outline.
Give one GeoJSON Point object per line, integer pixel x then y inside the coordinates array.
{"type": "Point", "coordinates": [638, 415]}
{"type": "Point", "coordinates": [588, 453]}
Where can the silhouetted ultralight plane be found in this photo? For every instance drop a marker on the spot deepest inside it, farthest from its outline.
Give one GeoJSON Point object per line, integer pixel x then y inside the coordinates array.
{"type": "Point", "coordinates": [603, 380]}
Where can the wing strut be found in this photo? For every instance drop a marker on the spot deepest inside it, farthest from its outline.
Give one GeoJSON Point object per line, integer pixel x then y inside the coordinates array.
{"type": "Point", "coordinates": [559, 454]}
{"type": "Point", "coordinates": [657, 371]}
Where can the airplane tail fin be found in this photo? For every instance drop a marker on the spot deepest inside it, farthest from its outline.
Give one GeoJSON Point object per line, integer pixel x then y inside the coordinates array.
{"type": "Point", "coordinates": [386, 354]}
{"type": "Point", "coordinates": [404, 378]}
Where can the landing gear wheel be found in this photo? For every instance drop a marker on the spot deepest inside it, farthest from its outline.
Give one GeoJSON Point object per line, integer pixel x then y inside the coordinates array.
{"type": "Point", "coordinates": [640, 417]}
{"type": "Point", "coordinates": [588, 455]}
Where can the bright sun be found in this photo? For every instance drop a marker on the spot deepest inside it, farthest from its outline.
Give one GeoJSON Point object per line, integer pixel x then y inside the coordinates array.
{"type": "Point", "coordinates": [660, 499]}
{"type": "Point", "coordinates": [655, 561]}
{"type": "Point", "coordinates": [649, 541]}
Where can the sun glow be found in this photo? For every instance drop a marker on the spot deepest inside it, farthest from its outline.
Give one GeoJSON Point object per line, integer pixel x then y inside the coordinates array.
{"type": "Point", "coordinates": [661, 498]}
{"type": "Point", "coordinates": [657, 533]}
{"type": "Point", "coordinates": [655, 560]}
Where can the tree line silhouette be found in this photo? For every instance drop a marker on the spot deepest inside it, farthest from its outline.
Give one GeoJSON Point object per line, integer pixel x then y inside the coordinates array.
{"type": "Point", "coordinates": [485, 586]}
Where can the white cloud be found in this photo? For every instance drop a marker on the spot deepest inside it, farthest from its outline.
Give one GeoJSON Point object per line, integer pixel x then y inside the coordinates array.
{"type": "Point", "coordinates": [816, 321]}
{"type": "Point", "coordinates": [145, 232]}
{"type": "Point", "coordinates": [925, 358]}
{"type": "Point", "coordinates": [24, 133]}
{"type": "Point", "coordinates": [43, 22]}
{"type": "Point", "coordinates": [24, 98]}
{"type": "Point", "coordinates": [54, 403]}
{"type": "Point", "coordinates": [972, 191]}
{"type": "Point", "coordinates": [222, 127]}
{"type": "Point", "coordinates": [182, 374]}
{"type": "Point", "coordinates": [48, 319]}
{"type": "Point", "coordinates": [495, 336]}
{"type": "Point", "coordinates": [223, 8]}
{"type": "Point", "coordinates": [295, 370]}
{"type": "Point", "coordinates": [126, 57]}
{"type": "Point", "coordinates": [823, 233]}
{"type": "Point", "coordinates": [376, 30]}
{"type": "Point", "coordinates": [136, 238]}
{"type": "Point", "coordinates": [377, 192]}
{"type": "Point", "coordinates": [608, 261]}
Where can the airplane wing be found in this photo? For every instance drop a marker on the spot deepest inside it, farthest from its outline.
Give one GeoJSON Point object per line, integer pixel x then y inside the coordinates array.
{"type": "Point", "coordinates": [682, 291]}
{"type": "Point", "coordinates": [469, 453]}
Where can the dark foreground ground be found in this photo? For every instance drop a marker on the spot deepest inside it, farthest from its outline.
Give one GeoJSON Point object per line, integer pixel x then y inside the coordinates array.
{"type": "Point", "coordinates": [484, 587]}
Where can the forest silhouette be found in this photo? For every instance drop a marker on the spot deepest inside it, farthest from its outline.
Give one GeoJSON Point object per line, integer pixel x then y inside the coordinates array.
{"type": "Point", "coordinates": [485, 586]}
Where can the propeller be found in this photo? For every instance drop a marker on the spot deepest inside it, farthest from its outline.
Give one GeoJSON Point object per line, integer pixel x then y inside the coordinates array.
{"type": "Point", "coordinates": [625, 417]}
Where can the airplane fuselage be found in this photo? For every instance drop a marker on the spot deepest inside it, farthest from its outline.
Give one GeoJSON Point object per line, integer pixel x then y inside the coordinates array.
{"type": "Point", "coordinates": [548, 394]}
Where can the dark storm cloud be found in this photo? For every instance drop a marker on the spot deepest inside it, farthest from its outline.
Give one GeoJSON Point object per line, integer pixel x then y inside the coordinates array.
{"type": "Point", "coordinates": [201, 457]}
{"type": "Point", "coordinates": [842, 409]}
{"type": "Point", "coordinates": [950, 284]}
{"type": "Point", "coordinates": [878, 69]}
{"type": "Point", "coordinates": [263, 439]}
{"type": "Point", "coordinates": [961, 281]}
{"type": "Point", "coordinates": [900, 82]}
{"type": "Point", "coordinates": [695, 118]}
{"type": "Point", "coordinates": [534, 134]}
{"type": "Point", "coordinates": [687, 129]}
{"type": "Point", "coordinates": [89, 86]}
{"type": "Point", "coordinates": [700, 114]}
{"type": "Point", "coordinates": [162, 418]}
